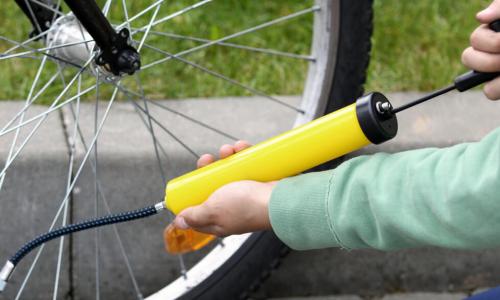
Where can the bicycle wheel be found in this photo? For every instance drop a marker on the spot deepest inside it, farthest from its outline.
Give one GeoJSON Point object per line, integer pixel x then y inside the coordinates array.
{"type": "Point", "coordinates": [330, 70]}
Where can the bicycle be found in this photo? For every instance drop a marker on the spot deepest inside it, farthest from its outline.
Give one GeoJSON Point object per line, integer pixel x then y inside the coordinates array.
{"type": "Point", "coordinates": [86, 49]}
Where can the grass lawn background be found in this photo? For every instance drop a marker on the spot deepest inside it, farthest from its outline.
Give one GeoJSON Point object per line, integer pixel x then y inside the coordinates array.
{"type": "Point", "coordinates": [416, 46]}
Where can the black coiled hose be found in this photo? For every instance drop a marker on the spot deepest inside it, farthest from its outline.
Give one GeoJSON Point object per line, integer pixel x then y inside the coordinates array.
{"type": "Point", "coordinates": [103, 221]}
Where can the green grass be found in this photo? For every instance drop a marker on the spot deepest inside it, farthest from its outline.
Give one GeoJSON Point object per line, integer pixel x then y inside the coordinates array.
{"type": "Point", "coordinates": [175, 79]}
{"type": "Point", "coordinates": [416, 46]}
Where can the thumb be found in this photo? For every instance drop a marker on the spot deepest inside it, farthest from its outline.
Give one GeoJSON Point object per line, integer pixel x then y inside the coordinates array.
{"type": "Point", "coordinates": [196, 216]}
{"type": "Point", "coordinates": [490, 14]}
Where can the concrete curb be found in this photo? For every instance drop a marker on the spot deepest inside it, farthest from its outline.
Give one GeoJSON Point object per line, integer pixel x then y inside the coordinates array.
{"type": "Point", "coordinates": [128, 170]}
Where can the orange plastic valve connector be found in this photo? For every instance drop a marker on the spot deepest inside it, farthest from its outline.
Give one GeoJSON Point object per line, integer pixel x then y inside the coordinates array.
{"type": "Point", "coordinates": [180, 241]}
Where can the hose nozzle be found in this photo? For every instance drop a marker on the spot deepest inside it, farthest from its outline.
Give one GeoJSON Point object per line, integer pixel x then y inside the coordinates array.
{"type": "Point", "coordinates": [5, 273]}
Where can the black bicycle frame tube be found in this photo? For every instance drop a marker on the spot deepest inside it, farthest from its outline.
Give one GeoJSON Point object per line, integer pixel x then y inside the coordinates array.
{"type": "Point", "coordinates": [94, 21]}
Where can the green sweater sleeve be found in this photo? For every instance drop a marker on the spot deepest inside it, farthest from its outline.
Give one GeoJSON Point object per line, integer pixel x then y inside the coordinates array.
{"type": "Point", "coordinates": [446, 197]}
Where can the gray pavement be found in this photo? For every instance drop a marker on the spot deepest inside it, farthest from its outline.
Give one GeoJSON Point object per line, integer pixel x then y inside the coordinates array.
{"type": "Point", "coordinates": [130, 179]}
{"type": "Point", "coordinates": [407, 296]}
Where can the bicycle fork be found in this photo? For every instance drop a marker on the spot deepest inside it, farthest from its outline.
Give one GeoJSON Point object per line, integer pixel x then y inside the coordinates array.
{"type": "Point", "coordinates": [115, 54]}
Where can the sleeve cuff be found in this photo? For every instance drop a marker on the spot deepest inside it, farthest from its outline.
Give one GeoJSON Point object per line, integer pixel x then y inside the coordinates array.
{"type": "Point", "coordinates": [298, 211]}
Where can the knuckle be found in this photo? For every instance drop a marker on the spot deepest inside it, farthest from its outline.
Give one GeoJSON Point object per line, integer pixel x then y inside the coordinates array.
{"type": "Point", "coordinates": [219, 231]}
{"type": "Point", "coordinates": [465, 56]}
{"type": "Point", "coordinates": [495, 63]}
{"type": "Point", "coordinates": [490, 92]}
{"type": "Point", "coordinates": [210, 213]}
{"type": "Point", "coordinates": [475, 38]}
{"type": "Point", "coordinates": [496, 42]}
{"type": "Point", "coordinates": [191, 219]}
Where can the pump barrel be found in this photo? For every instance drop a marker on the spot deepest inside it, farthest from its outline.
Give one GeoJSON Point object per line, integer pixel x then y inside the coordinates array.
{"type": "Point", "coordinates": [290, 153]}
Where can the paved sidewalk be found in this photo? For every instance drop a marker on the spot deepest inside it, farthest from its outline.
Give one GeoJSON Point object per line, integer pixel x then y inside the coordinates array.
{"type": "Point", "coordinates": [410, 296]}
{"type": "Point", "coordinates": [129, 171]}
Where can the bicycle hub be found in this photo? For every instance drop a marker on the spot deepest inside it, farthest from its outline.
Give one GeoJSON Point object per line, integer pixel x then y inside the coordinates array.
{"type": "Point", "coordinates": [67, 30]}
{"type": "Point", "coordinates": [116, 55]}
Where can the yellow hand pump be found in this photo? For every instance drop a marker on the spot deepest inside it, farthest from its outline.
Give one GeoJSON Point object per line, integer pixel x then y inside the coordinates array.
{"type": "Point", "coordinates": [290, 153]}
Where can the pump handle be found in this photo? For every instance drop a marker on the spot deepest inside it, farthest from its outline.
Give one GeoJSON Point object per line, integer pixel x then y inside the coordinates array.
{"type": "Point", "coordinates": [473, 78]}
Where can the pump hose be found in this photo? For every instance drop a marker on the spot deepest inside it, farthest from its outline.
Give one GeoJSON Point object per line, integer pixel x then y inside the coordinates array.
{"type": "Point", "coordinates": [88, 224]}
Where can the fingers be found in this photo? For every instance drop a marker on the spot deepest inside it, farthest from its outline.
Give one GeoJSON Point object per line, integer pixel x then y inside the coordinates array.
{"type": "Point", "coordinates": [492, 89]}
{"type": "Point", "coordinates": [485, 39]}
{"type": "Point", "coordinates": [205, 160]}
{"type": "Point", "coordinates": [200, 219]}
{"type": "Point", "coordinates": [241, 145]}
{"type": "Point", "coordinates": [224, 152]}
{"type": "Point", "coordinates": [228, 150]}
{"type": "Point", "coordinates": [484, 55]}
{"type": "Point", "coordinates": [194, 217]}
{"type": "Point", "coordinates": [490, 14]}
{"type": "Point", "coordinates": [481, 61]}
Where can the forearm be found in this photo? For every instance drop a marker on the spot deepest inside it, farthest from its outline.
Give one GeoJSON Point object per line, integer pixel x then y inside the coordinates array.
{"type": "Point", "coordinates": [442, 197]}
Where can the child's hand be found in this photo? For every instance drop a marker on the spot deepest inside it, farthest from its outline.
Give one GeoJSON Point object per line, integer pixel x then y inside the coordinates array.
{"type": "Point", "coordinates": [238, 207]}
{"type": "Point", "coordinates": [484, 55]}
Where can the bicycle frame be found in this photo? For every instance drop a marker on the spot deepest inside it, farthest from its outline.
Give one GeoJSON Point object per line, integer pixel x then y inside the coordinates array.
{"type": "Point", "coordinates": [116, 54]}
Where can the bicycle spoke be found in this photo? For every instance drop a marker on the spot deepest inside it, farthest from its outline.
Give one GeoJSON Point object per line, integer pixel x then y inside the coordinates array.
{"type": "Point", "coordinates": [234, 35]}
{"type": "Point", "coordinates": [151, 129]}
{"type": "Point", "coordinates": [21, 44]}
{"type": "Point", "coordinates": [70, 140]}
{"type": "Point", "coordinates": [48, 111]}
{"type": "Point", "coordinates": [32, 39]}
{"type": "Point", "coordinates": [227, 79]}
{"type": "Point", "coordinates": [180, 12]}
{"type": "Point", "coordinates": [68, 193]}
{"type": "Point", "coordinates": [125, 13]}
{"type": "Point", "coordinates": [146, 33]}
{"type": "Point", "coordinates": [157, 146]}
{"type": "Point", "coordinates": [5, 55]}
{"type": "Point", "coordinates": [25, 142]}
{"type": "Point", "coordinates": [162, 20]}
{"type": "Point", "coordinates": [42, 118]}
{"type": "Point", "coordinates": [146, 124]}
{"type": "Point", "coordinates": [107, 6]}
{"type": "Point", "coordinates": [180, 114]}
{"type": "Point", "coordinates": [96, 196]}
{"type": "Point", "coordinates": [16, 134]}
{"type": "Point", "coordinates": [202, 124]}
{"type": "Point", "coordinates": [49, 48]}
{"type": "Point", "coordinates": [26, 106]}
{"type": "Point", "coordinates": [33, 16]}
{"type": "Point", "coordinates": [108, 210]}
{"type": "Point", "coordinates": [43, 50]}
{"type": "Point", "coordinates": [36, 51]}
{"type": "Point", "coordinates": [172, 135]}
{"type": "Point", "coordinates": [233, 45]}
{"type": "Point", "coordinates": [140, 14]}
{"type": "Point", "coordinates": [55, 11]}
